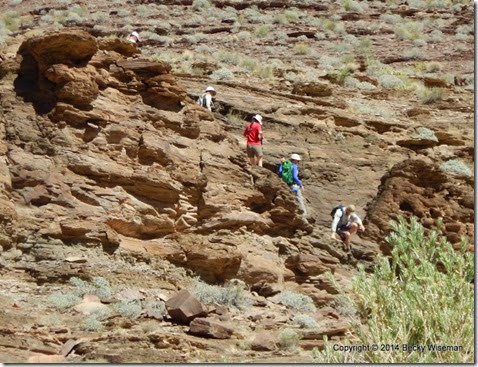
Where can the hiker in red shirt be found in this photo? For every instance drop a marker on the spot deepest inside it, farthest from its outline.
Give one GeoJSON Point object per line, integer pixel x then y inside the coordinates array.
{"type": "Point", "coordinates": [253, 133]}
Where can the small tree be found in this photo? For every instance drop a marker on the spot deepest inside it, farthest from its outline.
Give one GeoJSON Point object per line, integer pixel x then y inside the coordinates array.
{"type": "Point", "coordinates": [421, 296]}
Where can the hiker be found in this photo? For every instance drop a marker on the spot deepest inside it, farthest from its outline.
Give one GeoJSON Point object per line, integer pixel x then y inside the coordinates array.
{"type": "Point", "coordinates": [253, 133]}
{"type": "Point", "coordinates": [134, 37]}
{"type": "Point", "coordinates": [345, 223]}
{"type": "Point", "coordinates": [205, 100]}
{"type": "Point", "coordinates": [289, 171]}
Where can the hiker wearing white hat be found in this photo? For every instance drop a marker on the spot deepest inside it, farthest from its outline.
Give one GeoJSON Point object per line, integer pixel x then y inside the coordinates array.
{"type": "Point", "coordinates": [205, 100]}
{"type": "Point", "coordinates": [134, 37]}
{"type": "Point", "coordinates": [345, 223]}
{"type": "Point", "coordinates": [289, 172]}
{"type": "Point", "coordinates": [253, 133]}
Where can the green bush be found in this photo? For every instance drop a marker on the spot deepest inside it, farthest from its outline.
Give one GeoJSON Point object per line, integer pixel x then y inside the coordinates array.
{"type": "Point", "coordinates": [99, 286]}
{"type": "Point", "coordinates": [230, 295]}
{"type": "Point", "coordinates": [63, 301]}
{"type": "Point", "coordinates": [297, 301]}
{"type": "Point", "coordinates": [425, 134]}
{"type": "Point", "coordinates": [430, 95]}
{"type": "Point", "coordinates": [201, 4]}
{"type": "Point", "coordinates": [129, 309]}
{"type": "Point", "coordinates": [222, 74]}
{"type": "Point", "coordinates": [457, 167]}
{"type": "Point", "coordinates": [91, 323]}
{"type": "Point", "coordinates": [263, 30]}
{"type": "Point", "coordinates": [288, 339]}
{"type": "Point", "coordinates": [421, 295]}
{"type": "Point", "coordinates": [305, 321]}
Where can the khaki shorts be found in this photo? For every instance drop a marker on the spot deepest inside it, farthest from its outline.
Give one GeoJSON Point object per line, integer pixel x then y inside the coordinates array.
{"type": "Point", "coordinates": [254, 151]}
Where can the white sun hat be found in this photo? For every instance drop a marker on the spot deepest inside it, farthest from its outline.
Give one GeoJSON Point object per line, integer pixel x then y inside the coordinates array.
{"type": "Point", "coordinates": [210, 89]}
{"type": "Point", "coordinates": [136, 34]}
{"type": "Point", "coordinates": [295, 157]}
{"type": "Point", "coordinates": [258, 118]}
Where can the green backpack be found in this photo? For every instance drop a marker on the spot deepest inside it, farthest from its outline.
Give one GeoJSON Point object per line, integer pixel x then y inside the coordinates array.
{"type": "Point", "coordinates": [287, 173]}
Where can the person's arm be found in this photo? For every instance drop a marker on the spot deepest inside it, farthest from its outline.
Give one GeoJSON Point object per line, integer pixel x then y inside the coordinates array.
{"type": "Point", "coordinates": [208, 101]}
{"type": "Point", "coordinates": [295, 175]}
{"type": "Point", "coordinates": [246, 130]}
{"type": "Point", "coordinates": [335, 222]}
{"type": "Point", "coordinates": [280, 170]}
{"type": "Point", "coordinates": [354, 218]}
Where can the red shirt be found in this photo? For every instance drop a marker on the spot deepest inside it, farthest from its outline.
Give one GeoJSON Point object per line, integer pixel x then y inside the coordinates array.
{"type": "Point", "coordinates": [252, 132]}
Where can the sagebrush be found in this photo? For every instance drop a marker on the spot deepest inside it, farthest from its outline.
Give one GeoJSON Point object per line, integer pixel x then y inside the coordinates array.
{"type": "Point", "coordinates": [422, 295]}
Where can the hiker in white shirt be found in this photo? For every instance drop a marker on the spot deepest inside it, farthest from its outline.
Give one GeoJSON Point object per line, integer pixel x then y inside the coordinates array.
{"type": "Point", "coordinates": [346, 223]}
{"type": "Point", "coordinates": [205, 100]}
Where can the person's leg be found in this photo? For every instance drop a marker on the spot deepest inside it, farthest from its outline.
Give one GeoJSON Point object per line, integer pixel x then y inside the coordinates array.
{"type": "Point", "coordinates": [250, 155]}
{"type": "Point", "coordinates": [258, 154]}
{"type": "Point", "coordinates": [353, 228]}
{"type": "Point", "coordinates": [347, 241]}
{"type": "Point", "coordinates": [300, 201]}
{"type": "Point", "coordinates": [259, 161]}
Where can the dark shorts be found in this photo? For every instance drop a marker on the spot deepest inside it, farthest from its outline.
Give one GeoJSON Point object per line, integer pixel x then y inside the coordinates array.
{"type": "Point", "coordinates": [254, 151]}
{"type": "Point", "coordinates": [342, 229]}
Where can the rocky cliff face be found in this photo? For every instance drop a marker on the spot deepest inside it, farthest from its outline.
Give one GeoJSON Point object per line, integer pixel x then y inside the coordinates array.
{"type": "Point", "coordinates": [109, 169]}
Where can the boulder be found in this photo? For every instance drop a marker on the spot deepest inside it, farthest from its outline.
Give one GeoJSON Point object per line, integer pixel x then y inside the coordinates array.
{"type": "Point", "coordinates": [313, 89]}
{"type": "Point", "coordinates": [263, 341]}
{"type": "Point", "coordinates": [210, 328]}
{"type": "Point", "coordinates": [183, 307]}
{"type": "Point", "coordinates": [307, 265]}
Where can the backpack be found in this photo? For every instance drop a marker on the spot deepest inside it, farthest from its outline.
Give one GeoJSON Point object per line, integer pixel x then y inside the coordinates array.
{"type": "Point", "coordinates": [334, 210]}
{"type": "Point", "coordinates": [201, 101]}
{"type": "Point", "coordinates": [287, 173]}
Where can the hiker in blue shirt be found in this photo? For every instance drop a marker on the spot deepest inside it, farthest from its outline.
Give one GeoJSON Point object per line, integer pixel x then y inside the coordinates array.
{"type": "Point", "coordinates": [289, 171]}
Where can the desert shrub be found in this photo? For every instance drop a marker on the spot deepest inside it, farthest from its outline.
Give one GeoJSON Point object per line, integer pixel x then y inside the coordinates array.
{"type": "Point", "coordinates": [390, 81]}
{"type": "Point", "coordinates": [351, 82]}
{"type": "Point", "coordinates": [362, 107]}
{"type": "Point", "coordinates": [156, 306]}
{"type": "Point", "coordinates": [11, 20]}
{"type": "Point", "coordinates": [422, 295]}
{"type": "Point", "coordinates": [433, 67]}
{"type": "Point", "coordinates": [391, 18]}
{"type": "Point", "coordinates": [288, 339]}
{"type": "Point", "coordinates": [195, 38]}
{"type": "Point", "coordinates": [63, 301]}
{"type": "Point", "coordinates": [263, 30]}
{"type": "Point", "coordinates": [352, 5]}
{"type": "Point", "coordinates": [201, 4]}
{"type": "Point", "coordinates": [344, 305]}
{"type": "Point", "coordinates": [292, 15]}
{"type": "Point", "coordinates": [244, 35]}
{"type": "Point", "coordinates": [99, 286]}
{"type": "Point", "coordinates": [280, 19]}
{"type": "Point", "coordinates": [230, 295]}
{"type": "Point", "coordinates": [99, 17]}
{"type": "Point", "coordinates": [149, 326]}
{"type": "Point", "coordinates": [429, 95]}
{"type": "Point", "coordinates": [297, 301]}
{"type": "Point", "coordinates": [222, 74]}
{"type": "Point", "coordinates": [15, 2]}
{"type": "Point", "coordinates": [232, 58]}
{"type": "Point", "coordinates": [91, 323]}
{"type": "Point", "coordinates": [409, 31]}
{"type": "Point", "coordinates": [457, 167]}
{"type": "Point", "coordinates": [302, 48]}
{"type": "Point", "coordinates": [305, 321]}
{"type": "Point", "coordinates": [123, 13]}
{"type": "Point", "coordinates": [425, 133]}
{"type": "Point", "coordinates": [435, 36]}
{"type": "Point", "coordinates": [129, 309]}
{"type": "Point", "coordinates": [461, 37]}
{"type": "Point", "coordinates": [413, 53]}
